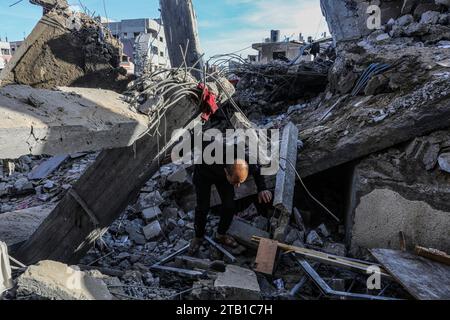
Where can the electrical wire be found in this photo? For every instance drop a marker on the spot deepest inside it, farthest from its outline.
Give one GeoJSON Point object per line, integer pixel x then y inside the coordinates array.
{"type": "Point", "coordinates": [309, 193]}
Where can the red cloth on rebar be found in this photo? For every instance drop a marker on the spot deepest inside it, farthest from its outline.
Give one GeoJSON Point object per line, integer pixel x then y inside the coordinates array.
{"type": "Point", "coordinates": [209, 104]}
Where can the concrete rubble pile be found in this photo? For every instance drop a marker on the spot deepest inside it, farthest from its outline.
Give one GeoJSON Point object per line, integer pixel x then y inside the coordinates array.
{"type": "Point", "coordinates": [373, 147]}
{"type": "Point", "coordinates": [265, 87]}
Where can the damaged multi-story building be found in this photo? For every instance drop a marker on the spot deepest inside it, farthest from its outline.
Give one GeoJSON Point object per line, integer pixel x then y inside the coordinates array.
{"type": "Point", "coordinates": [143, 41]}
{"type": "Point", "coordinates": [364, 162]}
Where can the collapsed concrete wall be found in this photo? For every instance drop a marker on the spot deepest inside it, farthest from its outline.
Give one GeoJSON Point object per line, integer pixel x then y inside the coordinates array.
{"type": "Point", "coordinates": [67, 49]}
{"type": "Point", "coordinates": [352, 19]}
{"type": "Point", "coordinates": [405, 189]}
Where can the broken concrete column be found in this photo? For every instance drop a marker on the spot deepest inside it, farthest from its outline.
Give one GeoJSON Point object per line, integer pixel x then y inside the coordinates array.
{"type": "Point", "coordinates": [67, 49]}
{"type": "Point", "coordinates": [349, 20]}
{"type": "Point", "coordinates": [237, 283]}
{"type": "Point", "coordinates": [48, 5]}
{"type": "Point", "coordinates": [285, 182]}
{"type": "Point", "coordinates": [39, 121]}
{"type": "Point", "coordinates": [180, 27]}
{"type": "Point", "coordinates": [49, 280]}
{"type": "Point", "coordinates": [393, 192]}
{"type": "Point", "coordinates": [6, 282]}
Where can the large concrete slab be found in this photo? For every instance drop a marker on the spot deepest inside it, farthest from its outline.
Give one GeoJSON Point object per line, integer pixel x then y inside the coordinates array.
{"type": "Point", "coordinates": [39, 121]}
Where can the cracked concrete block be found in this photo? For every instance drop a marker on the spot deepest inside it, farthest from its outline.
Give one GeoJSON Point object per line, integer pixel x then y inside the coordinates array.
{"type": "Point", "coordinates": [152, 230]}
{"type": "Point", "coordinates": [50, 280]}
{"type": "Point", "coordinates": [39, 121]}
{"type": "Point", "coordinates": [237, 283]}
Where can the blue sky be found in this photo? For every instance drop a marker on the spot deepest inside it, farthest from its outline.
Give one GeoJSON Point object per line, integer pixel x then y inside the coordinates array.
{"type": "Point", "coordinates": [225, 25]}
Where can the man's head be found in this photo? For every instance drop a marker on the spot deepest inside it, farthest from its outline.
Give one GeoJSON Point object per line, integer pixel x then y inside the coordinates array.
{"type": "Point", "coordinates": [237, 173]}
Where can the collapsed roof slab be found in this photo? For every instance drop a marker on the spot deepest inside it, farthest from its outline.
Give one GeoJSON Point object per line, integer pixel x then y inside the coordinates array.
{"type": "Point", "coordinates": [360, 126]}
{"type": "Point", "coordinates": [39, 121]}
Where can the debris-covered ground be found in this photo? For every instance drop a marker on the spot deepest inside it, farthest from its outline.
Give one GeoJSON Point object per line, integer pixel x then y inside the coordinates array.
{"type": "Point", "coordinates": [373, 119]}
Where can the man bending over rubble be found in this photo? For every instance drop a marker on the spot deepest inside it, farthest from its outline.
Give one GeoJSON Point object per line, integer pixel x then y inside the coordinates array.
{"type": "Point", "coordinates": [225, 178]}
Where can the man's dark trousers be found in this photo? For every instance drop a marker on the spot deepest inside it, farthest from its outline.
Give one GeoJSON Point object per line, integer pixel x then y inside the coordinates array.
{"type": "Point", "coordinates": [204, 179]}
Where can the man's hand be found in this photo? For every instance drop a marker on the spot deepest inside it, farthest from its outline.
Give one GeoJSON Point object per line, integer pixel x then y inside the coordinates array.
{"type": "Point", "coordinates": [265, 197]}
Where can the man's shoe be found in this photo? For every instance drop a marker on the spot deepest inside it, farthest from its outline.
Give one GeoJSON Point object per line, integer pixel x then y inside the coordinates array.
{"type": "Point", "coordinates": [196, 243]}
{"type": "Point", "coordinates": [226, 240]}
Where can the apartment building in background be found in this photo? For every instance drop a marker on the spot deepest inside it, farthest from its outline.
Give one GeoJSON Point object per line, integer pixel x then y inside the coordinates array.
{"type": "Point", "coordinates": [143, 42]}
{"type": "Point", "coordinates": [5, 54]}
{"type": "Point", "coordinates": [15, 46]}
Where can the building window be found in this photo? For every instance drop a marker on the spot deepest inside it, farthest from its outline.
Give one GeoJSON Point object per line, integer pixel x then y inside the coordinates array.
{"type": "Point", "coordinates": [6, 52]}
{"type": "Point", "coordinates": [280, 55]}
{"type": "Point", "coordinates": [154, 50]}
{"type": "Point", "coordinates": [161, 39]}
{"type": "Point", "coordinates": [125, 34]}
{"type": "Point", "coordinates": [161, 54]}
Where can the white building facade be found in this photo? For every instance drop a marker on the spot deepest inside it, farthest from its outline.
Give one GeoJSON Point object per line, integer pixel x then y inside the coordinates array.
{"type": "Point", "coordinates": [146, 39]}
{"type": "Point", "coordinates": [5, 54]}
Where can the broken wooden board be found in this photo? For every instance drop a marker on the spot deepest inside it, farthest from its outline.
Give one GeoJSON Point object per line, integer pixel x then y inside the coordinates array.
{"type": "Point", "coordinates": [342, 262]}
{"type": "Point", "coordinates": [422, 278]}
{"type": "Point", "coordinates": [433, 254]}
{"type": "Point", "coordinates": [267, 253]}
{"type": "Point", "coordinates": [39, 121]}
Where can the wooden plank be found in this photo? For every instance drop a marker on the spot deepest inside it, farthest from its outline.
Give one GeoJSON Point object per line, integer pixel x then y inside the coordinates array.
{"type": "Point", "coordinates": [422, 278]}
{"type": "Point", "coordinates": [433, 254]}
{"type": "Point", "coordinates": [342, 262]}
{"type": "Point", "coordinates": [267, 253]}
